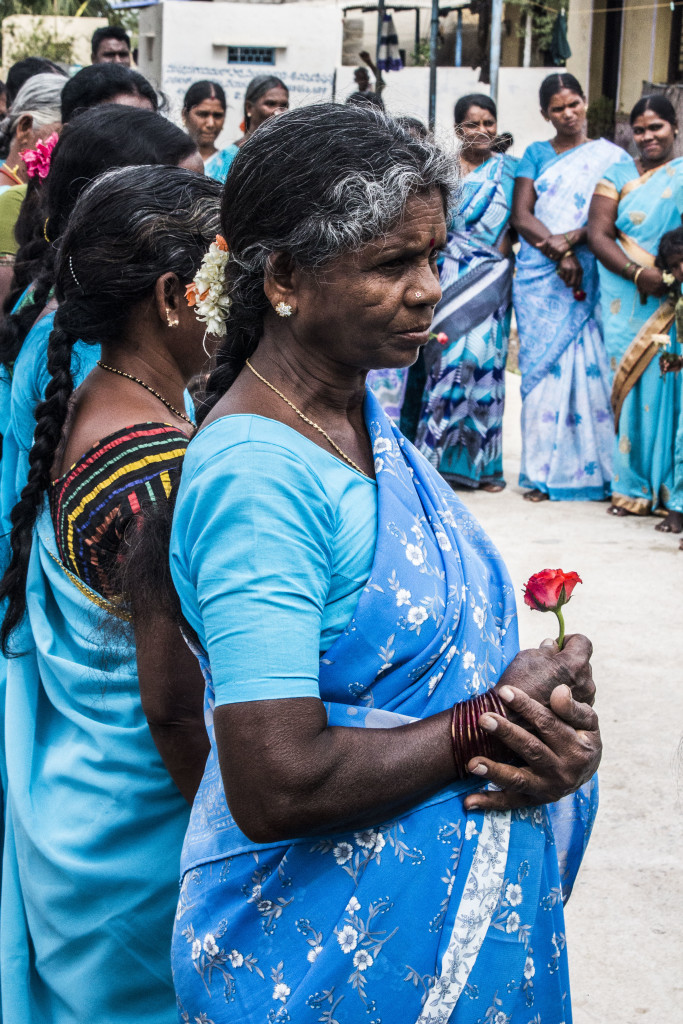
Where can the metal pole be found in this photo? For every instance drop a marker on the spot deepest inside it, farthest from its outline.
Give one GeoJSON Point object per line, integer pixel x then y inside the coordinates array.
{"type": "Point", "coordinates": [417, 31]}
{"type": "Point", "coordinates": [433, 40]}
{"type": "Point", "coordinates": [458, 40]}
{"type": "Point", "coordinates": [494, 59]}
{"type": "Point", "coordinates": [380, 18]}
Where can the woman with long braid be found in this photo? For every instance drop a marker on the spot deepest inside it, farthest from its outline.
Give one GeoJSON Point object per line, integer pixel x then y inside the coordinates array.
{"type": "Point", "coordinates": [96, 814]}
{"type": "Point", "coordinates": [99, 139]}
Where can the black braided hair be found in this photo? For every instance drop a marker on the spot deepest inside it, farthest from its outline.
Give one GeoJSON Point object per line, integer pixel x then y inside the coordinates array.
{"type": "Point", "coordinates": [98, 139]}
{"type": "Point", "coordinates": [127, 229]}
{"type": "Point", "coordinates": [313, 184]}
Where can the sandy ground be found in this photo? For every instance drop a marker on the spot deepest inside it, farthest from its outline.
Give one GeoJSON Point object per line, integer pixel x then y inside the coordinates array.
{"type": "Point", "coordinates": [625, 917]}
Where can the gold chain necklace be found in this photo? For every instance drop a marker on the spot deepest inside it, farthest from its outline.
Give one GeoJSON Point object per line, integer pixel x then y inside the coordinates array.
{"type": "Point", "coordinates": [129, 376]}
{"type": "Point", "coordinates": [311, 423]}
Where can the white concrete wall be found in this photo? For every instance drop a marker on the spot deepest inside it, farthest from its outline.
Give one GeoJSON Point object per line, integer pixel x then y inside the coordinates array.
{"type": "Point", "coordinates": [181, 43]}
{"type": "Point", "coordinates": [407, 92]}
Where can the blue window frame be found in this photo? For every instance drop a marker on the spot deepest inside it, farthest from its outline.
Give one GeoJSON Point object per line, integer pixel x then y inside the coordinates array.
{"type": "Point", "coordinates": [251, 55]}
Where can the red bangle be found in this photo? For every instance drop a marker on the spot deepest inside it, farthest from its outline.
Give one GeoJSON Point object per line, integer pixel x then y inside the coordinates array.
{"type": "Point", "coordinates": [468, 738]}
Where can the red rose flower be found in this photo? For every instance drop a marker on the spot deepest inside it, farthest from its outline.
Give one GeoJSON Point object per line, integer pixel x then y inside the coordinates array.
{"type": "Point", "coordinates": [442, 338]}
{"type": "Point", "coordinates": [548, 591]}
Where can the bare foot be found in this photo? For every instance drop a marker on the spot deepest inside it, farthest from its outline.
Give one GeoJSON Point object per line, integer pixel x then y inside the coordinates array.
{"type": "Point", "coordinates": [617, 510]}
{"type": "Point", "coordinates": [672, 524]}
{"type": "Point", "coordinates": [492, 486]}
{"type": "Point", "coordinates": [536, 495]}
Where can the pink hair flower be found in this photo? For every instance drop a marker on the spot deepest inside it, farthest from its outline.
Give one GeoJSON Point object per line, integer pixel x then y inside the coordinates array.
{"type": "Point", "coordinates": [38, 160]}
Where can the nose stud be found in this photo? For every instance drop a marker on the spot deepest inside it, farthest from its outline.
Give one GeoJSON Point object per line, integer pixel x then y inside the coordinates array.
{"type": "Point", "coordinates": [418, 295]}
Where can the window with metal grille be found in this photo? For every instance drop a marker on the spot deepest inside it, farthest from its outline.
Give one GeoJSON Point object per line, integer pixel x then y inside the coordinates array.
{"type": "Point", "coordinates": [251, 55]}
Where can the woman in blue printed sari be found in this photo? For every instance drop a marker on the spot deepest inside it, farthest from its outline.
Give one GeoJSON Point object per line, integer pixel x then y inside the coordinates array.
{"type": "Point", "coordinates": [567, 436]}
{"type": "Point", "coordinates": [340, 862]}
{"type": "Point", "coordinates": [99, 774]}
{"type": "Point", "coordinates": [635, 203]}
{"type": "Point", "coordinates": [461, 422]}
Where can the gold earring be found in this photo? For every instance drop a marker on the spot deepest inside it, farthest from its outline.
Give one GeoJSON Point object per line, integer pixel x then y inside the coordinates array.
{"type": "Point", "coordinates": [283, 309]}
{"type": "Point", "coordinates": [171, 323]}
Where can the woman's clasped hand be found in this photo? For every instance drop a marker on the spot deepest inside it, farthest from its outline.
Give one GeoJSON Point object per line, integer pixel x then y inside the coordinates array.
{"type": "Point", "coordinates": [550, 726]}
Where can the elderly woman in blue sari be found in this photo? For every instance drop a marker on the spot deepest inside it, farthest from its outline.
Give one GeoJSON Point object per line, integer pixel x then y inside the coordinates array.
{"type": "Point", "coordinates": [567, 437]}
{"type": "Point", "coordinates": [635, 203]}
{"type": "Point", "coordinates": [341, 860]}
{"type": "Point", "coordinates": [461, 421]}
{"type": "Point", "coordinates": [88, 890]}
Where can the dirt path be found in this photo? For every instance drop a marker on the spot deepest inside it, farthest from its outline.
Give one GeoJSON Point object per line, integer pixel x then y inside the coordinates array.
{"type": "Point", "coordinates": [625, 918]}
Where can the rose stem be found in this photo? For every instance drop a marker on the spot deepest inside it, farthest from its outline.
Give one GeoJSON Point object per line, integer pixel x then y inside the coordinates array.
{"type": "Point", "coordinates": [560, 619]}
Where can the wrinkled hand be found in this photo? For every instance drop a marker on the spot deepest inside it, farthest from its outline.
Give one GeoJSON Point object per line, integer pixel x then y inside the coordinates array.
{"type": "Point", "coordinates": [538, 672]}
{"type": "Point", "coordinates": [570, 271]}
{"type": "Point", "coordinates": [554, 247]}
{"type": "Point", "coordinates": [561, 754]}
{"type": "Point", "coordinates": [650, 282]}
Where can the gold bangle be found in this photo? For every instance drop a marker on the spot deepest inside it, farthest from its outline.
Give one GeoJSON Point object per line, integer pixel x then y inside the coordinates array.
{"type": "Point", "coordinates": [569, 252]}
{"type": "Point", "coordinates": [637, 275]}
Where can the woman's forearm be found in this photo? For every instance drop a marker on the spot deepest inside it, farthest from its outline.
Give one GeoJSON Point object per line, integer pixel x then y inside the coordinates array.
{"type": "Point", "coordinates": [602, 234]}
{"type": "Point", "coordinates": [286, 773]}
{"type": "Point", "coordinates": [530, 228]}
{"type": "Point", "coordinates": [334, 778]}
{"type": "Point", "coordinates": [184, 748]}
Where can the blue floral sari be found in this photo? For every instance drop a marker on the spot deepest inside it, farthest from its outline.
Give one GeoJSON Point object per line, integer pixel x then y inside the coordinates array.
{"type": "Point", "coordinates": [646, 405]}
{"type": "Point", "coordinates": [434, 915]}
{"type": "Point", "coordinates": [567, 433]}
{"type": "Point", "coordinates": [461, 423]}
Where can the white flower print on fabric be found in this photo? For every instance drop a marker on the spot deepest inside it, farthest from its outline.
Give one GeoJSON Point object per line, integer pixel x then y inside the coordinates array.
{"type": "Point", "coordinates": [478, 616]}
{"type": "Point", "coordinates": [414, 554]}
{"type": "Point", "coordinates": [513, 922]}
{"type": "Point", "coordinates": [513, 894]}
{"type": "Point", "coordinates": [471, 829]}
{"type": "Point", "coordinates": [362, 960]}
{"type": "Point", "coordinates": [416, 617]}
{"type": "Point", "coordinates": [236, 959]}
{"type": "Point", "coordinates": [281, 991]}
{"type": "Point", "coordinates": [468, 659]}
{"type": "Point", "coordinates": [313, 954]}
{"type": "Point", "coordinates": [402, 597]}
{"type": "Point", "coordinates": [353, 906]}
{"type": "Point", "coordinates": [210, 946]}
{"type": "Point", "coordinates": [379, 465]}
{"type": "Point", "coordinates": [529, 968]}
{"type": "Point", "coordinates": [381, 445]}
{"type": "Point", "coordinates": [347, 938]}
{"type": "Point", "coordinates": [365, 839]}
{"type": "Point", "coordinates": [443, 541]}
{"type": "Point", "coordinates": [447, 517]}
{"type": "Point", "coordinates": [343, 853]}
{"type": "Point", "coordinates": [196, 949]}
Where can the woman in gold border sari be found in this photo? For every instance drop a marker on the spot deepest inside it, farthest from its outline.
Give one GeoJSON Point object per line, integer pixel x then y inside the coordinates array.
{"type": "Point", "coordinates": [635, 203]}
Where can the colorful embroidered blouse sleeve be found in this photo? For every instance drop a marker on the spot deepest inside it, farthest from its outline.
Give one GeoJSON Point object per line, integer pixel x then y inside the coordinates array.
{"type": "Point", "coordinates": [93, 504]}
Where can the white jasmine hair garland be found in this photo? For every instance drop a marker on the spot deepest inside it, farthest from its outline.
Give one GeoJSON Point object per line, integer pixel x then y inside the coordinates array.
{"type": "Point", "coordinates": [208, 292]}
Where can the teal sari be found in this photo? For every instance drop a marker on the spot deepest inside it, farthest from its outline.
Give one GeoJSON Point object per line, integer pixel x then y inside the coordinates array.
{"type": "Point", "coordinates": [94, 823]}
{"type": "Point", "coordinates": [646, 405]}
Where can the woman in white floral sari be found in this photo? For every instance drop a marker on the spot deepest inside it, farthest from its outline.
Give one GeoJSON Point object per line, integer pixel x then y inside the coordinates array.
{"type": "Point", "coordinates": [357, 633]}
